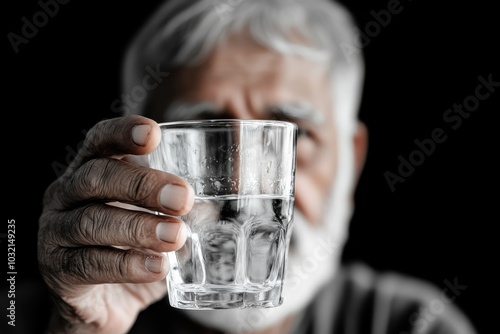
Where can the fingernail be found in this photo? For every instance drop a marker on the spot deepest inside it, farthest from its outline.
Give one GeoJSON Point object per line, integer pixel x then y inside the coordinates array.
{"type": "Point", "coordinates": [140, 134]}
{"type": "Point", "coordinates": [154, 264]}
{"type": "Point", "coordinates": [173, 197]}
{"type": "Point", "coordinates": [169, 232]}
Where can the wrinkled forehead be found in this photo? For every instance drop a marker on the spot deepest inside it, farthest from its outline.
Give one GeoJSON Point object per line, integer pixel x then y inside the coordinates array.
{"type": "Point", "coordinates": [239, 68]}
{"type": "Point", "coordinates": [240, 57]}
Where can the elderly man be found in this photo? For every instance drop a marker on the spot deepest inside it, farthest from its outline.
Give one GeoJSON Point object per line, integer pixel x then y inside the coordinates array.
{"type": "Point", "coordinates": [101, 252]}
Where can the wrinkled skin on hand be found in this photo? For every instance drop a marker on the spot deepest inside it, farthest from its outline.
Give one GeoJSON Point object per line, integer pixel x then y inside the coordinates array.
{"type": "Point", "coordinates": [100, 242]}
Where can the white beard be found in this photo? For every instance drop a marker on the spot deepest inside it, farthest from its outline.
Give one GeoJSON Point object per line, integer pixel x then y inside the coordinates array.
{"type": "Point", "coordinates": [312, 261]}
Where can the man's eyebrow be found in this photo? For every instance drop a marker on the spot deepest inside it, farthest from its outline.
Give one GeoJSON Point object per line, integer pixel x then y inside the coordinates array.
{"type": "Point", "coordinates": [298, 111]}
{"type": "Point", "coordinates": [180, 111]}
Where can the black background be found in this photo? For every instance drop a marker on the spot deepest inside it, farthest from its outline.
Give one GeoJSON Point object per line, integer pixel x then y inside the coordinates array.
{"type": "Point", "coordinates": [437, 225]}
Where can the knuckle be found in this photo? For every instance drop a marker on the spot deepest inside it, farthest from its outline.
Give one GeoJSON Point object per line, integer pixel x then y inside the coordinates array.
{"type": "Point", "coordinates": [84, 264]}
{"type": "Point", "coordinates": [95, 135]}
{"type": "Point", "coordinates": [123, 267]}
{"type": "Point", "coordinates": [142, 186]}
{"type": "Point", "coordinates": [91, 176]}
{"type": "Point", "coordinates": [50, 258]}
{"type": "Point", "coordinates": [72, 227]}
{"type": "Point", "coordinates": [78, 262]}
{"type": "Point", "coordinates": [137, 229]}
{"type": "Point", "coordinates": [86, 223]}
{"type": "Point", "coordinates": [95, 170]}
{"type": "Point", "coordinates": [48, 238]}
{"type": "Point", "coordinates": [104, 266]}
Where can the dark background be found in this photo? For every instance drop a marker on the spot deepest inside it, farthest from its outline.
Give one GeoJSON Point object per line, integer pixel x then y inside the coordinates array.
{"type": "Point", "coordinates": [437, 225]}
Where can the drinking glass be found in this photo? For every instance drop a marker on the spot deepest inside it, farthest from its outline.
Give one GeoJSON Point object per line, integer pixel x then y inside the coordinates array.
{"type": "Point", "coordinates": [243, 175]}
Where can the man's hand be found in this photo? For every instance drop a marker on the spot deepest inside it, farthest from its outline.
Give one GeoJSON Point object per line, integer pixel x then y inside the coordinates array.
{"type": "Point", "coordinates": [100, 242]}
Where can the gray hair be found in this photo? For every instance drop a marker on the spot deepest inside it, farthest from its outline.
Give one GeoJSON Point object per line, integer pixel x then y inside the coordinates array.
{"type": "Point", "coordinates": [183, 32]}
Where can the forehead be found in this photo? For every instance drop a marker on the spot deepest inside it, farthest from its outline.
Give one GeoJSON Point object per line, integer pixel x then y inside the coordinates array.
{"type": "Point", "coordinates": [240, 65]}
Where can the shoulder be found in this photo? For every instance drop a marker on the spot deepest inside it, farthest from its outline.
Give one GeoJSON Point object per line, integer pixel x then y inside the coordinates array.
{"type": "Point", "coordinates": [391, 302]}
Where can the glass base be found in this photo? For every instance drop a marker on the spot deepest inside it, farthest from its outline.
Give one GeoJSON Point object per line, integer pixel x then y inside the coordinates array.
{"type": "Point", "coordinates": [222, 298]}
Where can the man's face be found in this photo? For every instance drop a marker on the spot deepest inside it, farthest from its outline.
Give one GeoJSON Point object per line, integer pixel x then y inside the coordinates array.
{"type": "Point", "coordinates": [242, 79]}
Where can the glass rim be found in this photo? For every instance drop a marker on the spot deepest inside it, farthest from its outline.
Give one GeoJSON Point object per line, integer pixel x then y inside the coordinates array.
{"type": "Point", "coordinates": [222, 122]}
